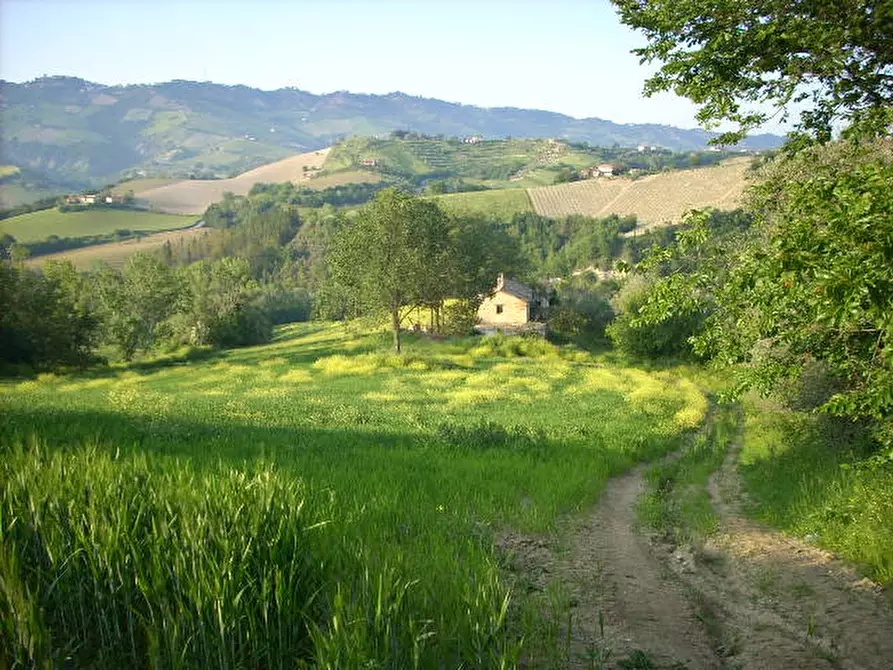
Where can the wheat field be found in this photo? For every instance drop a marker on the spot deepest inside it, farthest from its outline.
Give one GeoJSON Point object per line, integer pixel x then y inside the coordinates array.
{"type": "Point", "coordinates": [656, 200]}
{"type": "Point", "coordinates": [192, 196]}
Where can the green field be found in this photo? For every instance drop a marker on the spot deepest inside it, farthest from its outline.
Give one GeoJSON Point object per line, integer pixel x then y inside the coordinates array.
{"type": "Point", "coordinates": [815, 478]}
{"type": "Point", "coordinates": [502, 204]}
{"type": "Point", "coordinates": [314, 501]}
{"type": "Point", "coordinates": [36, 226]}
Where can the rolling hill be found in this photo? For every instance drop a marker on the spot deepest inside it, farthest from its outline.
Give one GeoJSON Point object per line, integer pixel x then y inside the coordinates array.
{"type": "Point", "coordinates": [654, 200]}
{"type": "Point", "coordinates": [83, 134]}
{"type": "Point", "coordinates": [192, 196]}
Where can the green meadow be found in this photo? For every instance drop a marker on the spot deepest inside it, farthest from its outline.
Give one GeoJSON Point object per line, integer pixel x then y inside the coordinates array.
{"type": "Point", "coordinates": [313, 502]}
{"type": "Point", "coordinates": [36, 226]}
{"type": "Point", "coordinates": [502, 203]}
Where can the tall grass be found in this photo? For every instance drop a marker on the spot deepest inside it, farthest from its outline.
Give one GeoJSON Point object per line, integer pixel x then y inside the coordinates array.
{"type": "Point", "coordinates": [816, 478]}
{"type": "Point", "coordinates": [309, 502]}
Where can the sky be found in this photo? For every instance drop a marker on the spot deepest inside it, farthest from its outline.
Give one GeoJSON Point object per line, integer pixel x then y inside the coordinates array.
{"type": "Point", "coordinates": [567, 56]}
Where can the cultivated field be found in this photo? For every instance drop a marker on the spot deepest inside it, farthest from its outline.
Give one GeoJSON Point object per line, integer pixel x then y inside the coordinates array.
{"type": "Point", "coordinates": [192, 196]}
{"type": "Point", "coordinates": [656, 200]}
{"type": "Point", "coordinates": [309, 503]}
{"type": "Point", "coordinates": [117, 253]}
{"type": "Point", "coordinates": [36, 226]}
{"type": "Point", "coordinates": [501, 204]}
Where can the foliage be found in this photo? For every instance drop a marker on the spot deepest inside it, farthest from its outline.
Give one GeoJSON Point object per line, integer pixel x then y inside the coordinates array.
{"type": "Point", "coordinates": [667, 336]}
{"type": "Point", "coordinates": [818, 476]}
{"type": "Point", "coordinates": [45, 319]}
{"type": "Point", "coordinates": [460, 317]}
{"type": "Point", "coordinates": [134, 303]}
{"type": "Point", "coordinates": [731, 56]}
{"type": "Point", "coordinates": [583, 308]}
{"type": "Point", "coordinates": [221, 306]}
{"type": "Point", "coordinates": [302, 196]}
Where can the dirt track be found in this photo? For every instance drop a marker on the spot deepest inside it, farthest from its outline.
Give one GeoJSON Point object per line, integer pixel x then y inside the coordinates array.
{"type": "Point", "coordinates": [748, 597]}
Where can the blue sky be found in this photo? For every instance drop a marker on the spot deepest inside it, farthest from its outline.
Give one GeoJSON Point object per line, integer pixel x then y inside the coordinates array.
{"type": "Point", "coordinates": [570, 56]}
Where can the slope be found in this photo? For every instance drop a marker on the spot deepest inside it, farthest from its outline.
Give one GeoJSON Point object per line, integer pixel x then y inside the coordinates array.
{"type": "Point", "coordinates": [192, 196]}
{"type": "Point", "coordinates": [655, 200]}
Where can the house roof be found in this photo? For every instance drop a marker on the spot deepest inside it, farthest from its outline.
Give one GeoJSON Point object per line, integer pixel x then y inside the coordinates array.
{"type": "Point", "coordinates": [517, 289]}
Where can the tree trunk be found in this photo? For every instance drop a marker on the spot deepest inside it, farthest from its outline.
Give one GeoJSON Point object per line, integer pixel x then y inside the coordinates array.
{"type": "Point", "coordinates": [395, 323]}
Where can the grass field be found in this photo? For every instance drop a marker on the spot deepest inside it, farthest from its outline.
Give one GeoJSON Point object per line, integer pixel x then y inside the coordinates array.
{"type": "Point", "coordinates": [655, 200]}
{"type": "Point", "coordinates": [311, 502]}
{"type": "Point", "coordinates": [116, 253]}
{"type": "Point", "coordinates": [813, 478]}
{"type": "Point", "coordinates": [502, 204]}
{"type": "Point", "coordinates": [9, 170]}
{"type": "Point", "coordinates": [36, 226]}
{"type": "Point", "coordinates": [192, 196]}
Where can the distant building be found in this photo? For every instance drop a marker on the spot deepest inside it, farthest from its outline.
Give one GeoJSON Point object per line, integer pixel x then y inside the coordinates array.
{"type": "Point", "coordinates": [512, 304]}
{"type": "Point", "coordinates": [607, 170]}
{"type": "Point", "coordinates": [92, 199]}
{"type": "Point", "coordinates": [474, 139]}
{"type": "Point", "coordinates": [371, 162]}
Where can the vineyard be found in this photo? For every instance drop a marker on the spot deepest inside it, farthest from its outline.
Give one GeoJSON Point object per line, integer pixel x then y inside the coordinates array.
{"type": "Point", "coordinates": [655, 200]}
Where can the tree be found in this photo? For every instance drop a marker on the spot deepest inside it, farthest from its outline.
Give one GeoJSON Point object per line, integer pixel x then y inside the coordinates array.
{"type": "Point", "coordinates": [46, 320]}
{"type": "Point", "coordinates": [811, 283]}
{"type": "Point", "coordinates": [220, 305]}
{"type": "Point", "coordinates": [395, 257]}
{"type": "Point", "coordinates": [731, 56]}
{"type": "Point", "coordinates": [134, 303]}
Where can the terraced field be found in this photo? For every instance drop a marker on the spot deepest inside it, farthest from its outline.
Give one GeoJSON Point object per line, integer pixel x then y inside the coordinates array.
{"type": "Point", "coordinates": [656, 200]}
{"type": "Point", "coordinates": [192, 196]}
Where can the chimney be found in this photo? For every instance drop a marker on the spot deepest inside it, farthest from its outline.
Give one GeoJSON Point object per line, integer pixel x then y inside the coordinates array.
{"type": "Point", "coordinates": [500, 281]}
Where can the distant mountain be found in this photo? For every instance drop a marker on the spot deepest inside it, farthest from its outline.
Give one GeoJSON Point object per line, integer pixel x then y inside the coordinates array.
{"type": "Point", "coordinates": [75, 131]}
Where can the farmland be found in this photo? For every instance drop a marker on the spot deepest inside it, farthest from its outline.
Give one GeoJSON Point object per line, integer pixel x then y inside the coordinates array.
{"type": "Point", "coordinates": [36, 226]}
{"type": "Point", "coordinates": [312, 500]}
{"type": "Point", "coordinates": [192, 196]}
{"type": "Point", "coordinates": [655, 200]}
{"type": "Point", "coordinates": [500, 203]}
{"type": "Point", "coordinates": [117, 253]}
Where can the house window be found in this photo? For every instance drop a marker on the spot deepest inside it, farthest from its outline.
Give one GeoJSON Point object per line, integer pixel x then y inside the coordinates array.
{"type": "Point", "coordinates": [499, 309]}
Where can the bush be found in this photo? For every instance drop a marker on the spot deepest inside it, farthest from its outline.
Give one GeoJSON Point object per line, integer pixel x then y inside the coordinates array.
{"type": "Point", "coordinates": [638, 337]}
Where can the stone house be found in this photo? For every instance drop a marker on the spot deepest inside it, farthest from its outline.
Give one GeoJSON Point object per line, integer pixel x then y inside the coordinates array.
{"type": "Point", "coordinates": [512, 304]}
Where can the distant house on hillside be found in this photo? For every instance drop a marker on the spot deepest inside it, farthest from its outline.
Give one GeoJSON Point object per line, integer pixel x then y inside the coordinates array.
{"type": "Point", "coordinates": [607, 170]}
{"type": "Point", "coordinates": [92, 199]}
{"type": "Point", "coordinates": [511, 305]}
{"type": "Point", "coordinates": [474, 139]}
{"type": "Point", "coordinates": [371, 162]}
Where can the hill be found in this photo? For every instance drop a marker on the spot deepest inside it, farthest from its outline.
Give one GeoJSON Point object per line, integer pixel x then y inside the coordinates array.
{"type": "Point", "coordinates": [655, 199]}
{"type": "Point", "coordinates": [192, 196]}
{"type": "Point", "coordinates": [82, 133]}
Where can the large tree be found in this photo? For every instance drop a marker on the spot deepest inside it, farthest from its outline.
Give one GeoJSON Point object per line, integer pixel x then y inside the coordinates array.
{"type": "Point", "coordinates": [395, 257]}
{"type": "Point", "coordinates": [736, 58]}
{"type": "Point", "coordinates": [810, 286]}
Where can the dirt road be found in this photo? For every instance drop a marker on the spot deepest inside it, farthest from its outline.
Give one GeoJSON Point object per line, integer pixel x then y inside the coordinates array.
{"type": "Point", "coordinates": [748, 597]}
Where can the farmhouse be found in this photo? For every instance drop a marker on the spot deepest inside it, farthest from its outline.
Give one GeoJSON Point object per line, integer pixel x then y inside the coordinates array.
{"type": "Point", "coordinates": [512, 304]}
{"type": "Point", "coordinates": [371, 162]}
{"type": "Point", "coordinates": [607, 170]}
{"type": "Point", "coordinates": [474, 139]}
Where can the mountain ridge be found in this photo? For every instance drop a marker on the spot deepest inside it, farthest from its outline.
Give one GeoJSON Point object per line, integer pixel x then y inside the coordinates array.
{"type": "Point", "coordinates": [78, 131]}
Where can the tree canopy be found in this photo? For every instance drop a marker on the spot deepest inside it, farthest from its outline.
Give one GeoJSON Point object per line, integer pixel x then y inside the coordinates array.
{"type": "Point", "coordinates": [734, 57]}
